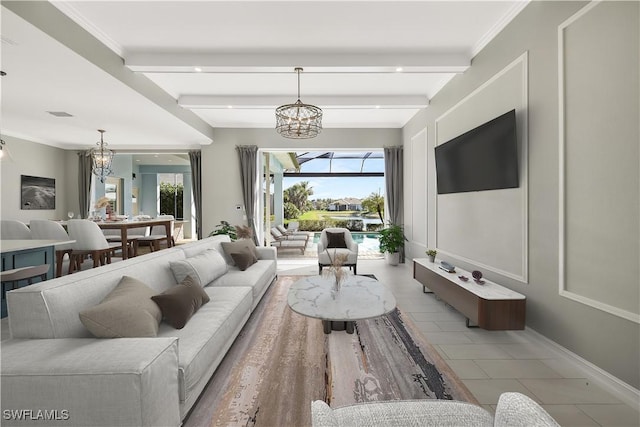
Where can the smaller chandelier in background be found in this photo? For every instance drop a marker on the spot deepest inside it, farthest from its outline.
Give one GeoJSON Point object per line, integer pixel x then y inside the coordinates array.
{"type": "Point", "coordinates": [102, 158]}
{"type": "Point", "coordinates": [299, 120]}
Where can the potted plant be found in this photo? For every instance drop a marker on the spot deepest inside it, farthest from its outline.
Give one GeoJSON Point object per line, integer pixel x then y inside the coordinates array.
{"type": "Point", "coordinates": [225, 228]}
{"type": "Point", "coordinates": [391, 241]}
{"type": "Point", "coordinates": [431, 253]}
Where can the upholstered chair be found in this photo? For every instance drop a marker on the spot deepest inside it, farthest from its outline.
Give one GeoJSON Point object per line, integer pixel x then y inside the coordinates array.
{"type": "Point", "coordinates": [43, 229]}
{"type": "Point", "coordinates": [89, 240]}
{"type": "Point", "coordinates": [335, 241]}
{"type": "Point", "coordinates": [11, 229]}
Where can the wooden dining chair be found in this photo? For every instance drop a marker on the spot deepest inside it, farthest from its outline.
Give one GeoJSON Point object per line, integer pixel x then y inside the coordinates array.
{"type": "Point", "coordinates": [51, 230]}
{"type": "Point", "coordinates": [133, 237]}
{"type": "Point", "coordinates": [158, 234]}
{"type": "Point", "coordinates": [89, 241]}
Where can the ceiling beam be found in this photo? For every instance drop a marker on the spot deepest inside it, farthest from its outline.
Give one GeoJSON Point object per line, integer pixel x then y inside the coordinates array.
{"type": "Point", "coordinates": [312, 62]}
{"type": "Point", "coordinates": [214, 102]}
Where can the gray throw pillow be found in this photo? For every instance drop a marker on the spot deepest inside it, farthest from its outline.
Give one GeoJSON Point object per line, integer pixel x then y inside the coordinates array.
{"type": "Point", "coordinates": [179, 303]}
{"type": "Point", "coordinates": [237, 247]}
{"type": "Point", "coordinates": [127, 312]}
{"type": "Point", "coordinates": [204, 268]}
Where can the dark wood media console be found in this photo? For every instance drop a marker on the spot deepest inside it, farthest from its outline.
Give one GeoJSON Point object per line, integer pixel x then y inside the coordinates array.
{"type": "Point", "coordinates": [489, 306]}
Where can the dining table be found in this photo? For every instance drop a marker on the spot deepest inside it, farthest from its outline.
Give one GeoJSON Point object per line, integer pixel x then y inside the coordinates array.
{"type": "Point", "coordinates": [125, 224]}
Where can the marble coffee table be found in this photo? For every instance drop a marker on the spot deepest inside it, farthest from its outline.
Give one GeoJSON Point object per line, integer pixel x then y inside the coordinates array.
{"type": "Point", "coordinates": [359, 298]}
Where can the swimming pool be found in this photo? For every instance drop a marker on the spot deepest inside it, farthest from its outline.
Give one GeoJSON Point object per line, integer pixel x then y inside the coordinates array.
{"type": "Point", "coordinates": [366, 241]}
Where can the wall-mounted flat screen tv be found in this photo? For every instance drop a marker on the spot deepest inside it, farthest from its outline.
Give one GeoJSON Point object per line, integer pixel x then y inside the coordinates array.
{"type": "Point", "coordinates": [484, 158]}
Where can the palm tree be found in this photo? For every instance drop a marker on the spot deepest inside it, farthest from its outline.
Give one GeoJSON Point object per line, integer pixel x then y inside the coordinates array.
{"type": "Point", "coordinates": [298, 195]}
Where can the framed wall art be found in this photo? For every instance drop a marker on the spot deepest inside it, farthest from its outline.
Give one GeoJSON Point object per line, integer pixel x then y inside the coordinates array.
{"type": "Point", "coordinates": [37, 193]}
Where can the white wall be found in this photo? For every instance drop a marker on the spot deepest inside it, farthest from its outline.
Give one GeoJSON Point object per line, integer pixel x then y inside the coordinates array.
{"type": "Point", "coordinates": [30, 158]}
{"type": "Point", "coordinates": [600, 192]}
{"type": "Point", "coordinates": [221, 188]}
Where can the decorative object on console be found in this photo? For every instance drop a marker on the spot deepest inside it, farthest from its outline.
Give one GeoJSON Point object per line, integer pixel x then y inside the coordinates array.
{"type": "Point", "coordinates": [477, 276]}
{"type": "Point", "coordinates": [431, 253]}
{"type": "Point", "coordinates": [102, 158]}
{"type": "Point", "coordinates": [463, 278]}
{"type": "Point", "coordinates": [299, 120]}
{"type": "Point", "coordinates": [447, 267]}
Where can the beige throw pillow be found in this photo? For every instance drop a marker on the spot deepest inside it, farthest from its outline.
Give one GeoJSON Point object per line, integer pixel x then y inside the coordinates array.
{"type": "Point", "coordinates": [203, 268]}
{"type": "Point", "coordinates": [127, 312]}
{"type": "Point", "coordinates": [238, 246]}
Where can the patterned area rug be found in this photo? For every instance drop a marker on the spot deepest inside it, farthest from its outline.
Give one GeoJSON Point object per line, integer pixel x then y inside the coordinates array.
{"type": "Point", "coordinates": [282, 361]}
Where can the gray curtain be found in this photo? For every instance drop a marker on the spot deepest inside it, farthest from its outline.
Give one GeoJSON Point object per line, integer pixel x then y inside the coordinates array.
{"type": "Point", "coordinates": [248, 155]}
{"type": "Point", "coordinates": [393, 175]}
{"type": "Point", "coordinates": [195, 157]}
{"type": "Point", "coordinates": [84, 182]}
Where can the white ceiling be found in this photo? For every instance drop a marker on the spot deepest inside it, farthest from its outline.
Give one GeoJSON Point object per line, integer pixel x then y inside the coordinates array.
{"type": "Point", "coordinates": [245, 52]}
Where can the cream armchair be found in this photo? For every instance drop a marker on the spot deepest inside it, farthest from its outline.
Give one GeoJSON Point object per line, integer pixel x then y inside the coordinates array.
{"type": "Point", "coordinates": [337, 241]}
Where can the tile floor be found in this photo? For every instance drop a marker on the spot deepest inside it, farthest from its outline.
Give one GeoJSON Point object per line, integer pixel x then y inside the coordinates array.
{"type": "Point", "coordinates": [492, 362]}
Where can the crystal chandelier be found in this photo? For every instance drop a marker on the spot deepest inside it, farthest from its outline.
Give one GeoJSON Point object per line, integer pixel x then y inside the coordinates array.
{"type": "Point", "coordinates": [299, 120]}
{"type": "Point", "coordinates": [102, 158]}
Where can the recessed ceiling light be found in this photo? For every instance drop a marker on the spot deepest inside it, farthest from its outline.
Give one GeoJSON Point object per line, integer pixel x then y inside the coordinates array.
{"type": "Point", "coordinates": [137, 160]}
{"type": "Point", "coordinates": [377, 106]}
{"type": "Point", "coordinates": [197, 69]}
{"type": "Point", "coordinates": [398, 69]}
{"type": "Point", "coordinates": [60, 113]}
{"type": "Point", "coordinates": [155, 155]}
{"type": "Point", "coordinates": [229, 106]}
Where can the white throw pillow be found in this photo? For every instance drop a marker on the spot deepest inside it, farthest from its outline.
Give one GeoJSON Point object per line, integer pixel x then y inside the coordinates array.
{"type": "Point", "coordinates": [203, 268]}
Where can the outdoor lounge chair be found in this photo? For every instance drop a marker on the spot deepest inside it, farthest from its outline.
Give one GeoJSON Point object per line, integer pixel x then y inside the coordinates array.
{"type": "Point", "coordinates": [290, 244]}
{"type": "Point", "coordinates": [287, 232]}
{"type": "Point", "coordinates": [279, 236]}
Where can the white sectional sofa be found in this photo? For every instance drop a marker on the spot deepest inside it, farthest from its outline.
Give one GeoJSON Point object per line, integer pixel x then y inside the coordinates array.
{"type": "Point", "coordinates": [54, 372]}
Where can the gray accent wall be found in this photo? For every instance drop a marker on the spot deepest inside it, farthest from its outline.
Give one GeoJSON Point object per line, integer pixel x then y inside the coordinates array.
{"type": "Point", "coordinates": [582, 220]}
{"type": "Point", "coordinates": [30, 158]}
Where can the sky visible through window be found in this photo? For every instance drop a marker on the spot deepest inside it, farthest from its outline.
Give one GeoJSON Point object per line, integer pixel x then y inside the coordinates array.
{"type": "Point", "coordinates": [342, 187]}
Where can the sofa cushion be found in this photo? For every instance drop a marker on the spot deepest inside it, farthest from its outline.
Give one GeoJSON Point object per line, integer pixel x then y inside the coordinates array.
{"type": "Point", "coordinates": [259, 276]}
{"type": "Point", "coordinates": [204, 341]}
{"type": "Point", "coordinates": [409, 413]}
{"type": "Point", "coordinates": [181, 302]}
{"type": "Point", "coordinates": [127, 311]}
{"type": "Point", "coordinates": [204, 268]}
{"type": "Point", "coordinates": [244, 259]}
{"type": "Point", "coordinates": [335, 240]}
{"type": "Point", "coordinates": [238, 246]}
